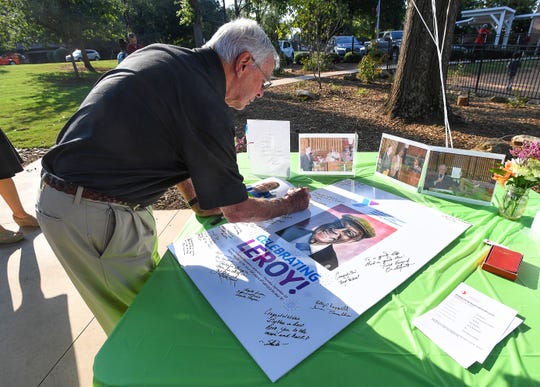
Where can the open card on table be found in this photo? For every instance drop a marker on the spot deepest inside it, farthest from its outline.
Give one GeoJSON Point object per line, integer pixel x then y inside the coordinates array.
{"type": "Point", "coordinates": [269, 147]}
{"type": "Point", "coordinates": [287, 285]}
{"type": "Point", "coordinates": [458, 174]}
{"type": "Point", "coordinates": [269, 188]}
{"type": "Point", "coordinates": [327, 153]}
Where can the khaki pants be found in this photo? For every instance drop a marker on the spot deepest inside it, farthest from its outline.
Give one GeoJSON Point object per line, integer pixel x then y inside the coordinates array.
{"type": "Point", "coordinates": [108, 250]}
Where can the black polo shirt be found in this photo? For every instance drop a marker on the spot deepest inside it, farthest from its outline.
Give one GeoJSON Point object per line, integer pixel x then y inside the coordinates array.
{"type": "Point", "coordinates": [157, 119]}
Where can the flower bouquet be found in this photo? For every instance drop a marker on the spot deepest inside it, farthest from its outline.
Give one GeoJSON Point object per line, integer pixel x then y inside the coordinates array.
{"type": "Point", "coordinates": [518, 176]}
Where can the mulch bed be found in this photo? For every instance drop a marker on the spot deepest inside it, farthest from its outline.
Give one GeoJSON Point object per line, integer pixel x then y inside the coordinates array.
{"type": "Point", "coordinates": [345, 105]}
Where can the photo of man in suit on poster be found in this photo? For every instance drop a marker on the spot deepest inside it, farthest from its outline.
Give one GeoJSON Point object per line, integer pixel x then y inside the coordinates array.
{"type": "Point", "coordinates": [336, 236]}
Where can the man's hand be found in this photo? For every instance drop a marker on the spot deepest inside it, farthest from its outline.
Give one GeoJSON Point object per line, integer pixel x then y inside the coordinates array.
{"type": "Point", "coordinates": [256, 210]}
{"type": "Point", "coordinates": [297, 198]}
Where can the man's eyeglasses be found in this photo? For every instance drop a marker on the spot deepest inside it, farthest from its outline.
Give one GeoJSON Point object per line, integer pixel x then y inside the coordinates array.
{"type": "Point", "coordinates": [266, 84]}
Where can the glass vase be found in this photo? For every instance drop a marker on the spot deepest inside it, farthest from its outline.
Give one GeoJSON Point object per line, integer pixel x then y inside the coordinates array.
{"type": "Point", "coordinates": [514, 202]}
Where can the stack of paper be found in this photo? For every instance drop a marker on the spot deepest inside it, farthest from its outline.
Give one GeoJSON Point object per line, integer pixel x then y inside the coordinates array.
{"type": "Point", "coordinates": [468, 324]}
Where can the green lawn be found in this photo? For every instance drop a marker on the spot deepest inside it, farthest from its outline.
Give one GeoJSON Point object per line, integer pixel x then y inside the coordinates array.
{"type": "Point", "coordinates": [36, 100]}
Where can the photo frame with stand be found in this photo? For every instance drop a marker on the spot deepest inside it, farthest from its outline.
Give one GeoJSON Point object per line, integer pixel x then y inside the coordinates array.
{"type": "Point", "coordinates": [327, 154]}
{"type": "Point", "coordinates": [462, 175]}
{"type": "Point", "coordinates": [401, 160]}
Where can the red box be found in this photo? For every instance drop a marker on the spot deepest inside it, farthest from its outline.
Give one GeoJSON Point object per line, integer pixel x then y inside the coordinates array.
{"type": "Point", "coordinates": [503, 262]}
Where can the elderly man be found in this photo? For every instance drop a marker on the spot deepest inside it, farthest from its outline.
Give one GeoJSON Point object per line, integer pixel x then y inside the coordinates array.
{"type": "Point", "coordinates": [317, 243]}
{"type": "Point", "coordinates": [161, 118]}
{"type": "Point", "coordinates": [441, 180]}
{"type": "Point", "coordinates": [306, 159]}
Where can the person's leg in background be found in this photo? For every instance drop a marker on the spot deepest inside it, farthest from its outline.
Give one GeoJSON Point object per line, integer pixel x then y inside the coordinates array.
{"type": "Point", "coordinates": [10, 164]}
{"type": "Point", "coordinates": [9, 193]}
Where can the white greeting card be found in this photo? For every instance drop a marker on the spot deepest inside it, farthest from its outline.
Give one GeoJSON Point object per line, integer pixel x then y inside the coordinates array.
{"type": "Point", "coordinates": [269, 147]}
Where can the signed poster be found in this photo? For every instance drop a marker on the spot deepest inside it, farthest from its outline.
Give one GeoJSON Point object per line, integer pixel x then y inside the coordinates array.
{"type": "Point", "coordinates": [286, 286]}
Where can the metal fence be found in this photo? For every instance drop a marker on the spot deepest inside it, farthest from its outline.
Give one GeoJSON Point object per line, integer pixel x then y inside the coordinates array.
{"type": "Point", "coordinates": [490, 77]}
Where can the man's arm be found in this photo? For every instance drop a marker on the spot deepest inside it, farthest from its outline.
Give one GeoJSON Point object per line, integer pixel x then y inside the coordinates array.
{"type": "Point", "coordinates": [256, 210]}
{"type": "Point", "coordinates": [188, 192]}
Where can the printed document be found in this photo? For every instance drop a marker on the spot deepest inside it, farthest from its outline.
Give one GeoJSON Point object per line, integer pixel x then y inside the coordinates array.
{"type": "Point", "coordinates": [468, 324]}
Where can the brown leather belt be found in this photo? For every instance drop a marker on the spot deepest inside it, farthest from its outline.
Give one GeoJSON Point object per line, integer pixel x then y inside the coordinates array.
{"type": "Point", "coordinates": [71, 189]}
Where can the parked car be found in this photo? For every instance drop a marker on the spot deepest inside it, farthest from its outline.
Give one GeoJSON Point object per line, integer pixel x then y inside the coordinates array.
{"type": "Point", "coordinates": [389, 42]}
{"type": "Point", "coordinates": [460, 52]}
{"type": "Point", "coordinates": [341, 45]}
{"type": "Point", "coordinates": [77, 55]}
{"type": "Point", "coordinates": [11, 59]}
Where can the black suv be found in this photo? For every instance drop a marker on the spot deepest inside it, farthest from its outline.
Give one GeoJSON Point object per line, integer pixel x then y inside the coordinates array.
{"type": "Point", "coordinates": [341, 45]}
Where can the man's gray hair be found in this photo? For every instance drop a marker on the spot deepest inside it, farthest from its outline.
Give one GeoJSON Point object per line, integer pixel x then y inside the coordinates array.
{"type": "Point", "coordinates": [241, 35]}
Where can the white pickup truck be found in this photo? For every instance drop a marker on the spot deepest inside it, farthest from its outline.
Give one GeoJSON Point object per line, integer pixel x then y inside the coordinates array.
{"type": "Point", "coordinates": [389, 42]}
{"type": "Point", "coordinates": [286, 48]}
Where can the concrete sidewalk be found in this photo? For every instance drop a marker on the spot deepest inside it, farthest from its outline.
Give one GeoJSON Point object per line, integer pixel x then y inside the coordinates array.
{"type": "Point", "coordinates": [285, 81]}
{"type": "Point", "coordinates": [48, 336]}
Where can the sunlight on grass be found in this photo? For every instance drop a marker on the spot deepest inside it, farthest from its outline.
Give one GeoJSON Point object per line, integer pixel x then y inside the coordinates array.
{"type": "Point", "coordinates": [36, 100]}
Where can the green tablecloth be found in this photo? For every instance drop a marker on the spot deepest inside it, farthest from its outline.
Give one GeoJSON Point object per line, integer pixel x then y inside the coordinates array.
{"type": "Point", "coordinates": [171, 336]}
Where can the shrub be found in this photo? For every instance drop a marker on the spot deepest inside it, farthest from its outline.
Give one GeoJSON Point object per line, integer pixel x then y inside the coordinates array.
{"type": "Point", "coordinates": [519, 101]}
{"type": "Point", "coordinates": [310, 64]}
{"type": "Point", "coordinates": [367, 69]}
{"type": "Point", "coordinates": [283, 60]}
{"type": "Point", "coordinates": [301, 56]}
{"type": "Point", "coordinates": [333, 57]}
{"type": "Point", "coordinates": [378, 56]}
{"type": "Point", "coordinates": [279, 71]}
{"type": "Point", "coordinates": [352, 57]}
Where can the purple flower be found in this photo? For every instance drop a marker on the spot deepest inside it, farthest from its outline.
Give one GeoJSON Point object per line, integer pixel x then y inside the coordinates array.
{"type": "Point", "coordinates": [529, 150]}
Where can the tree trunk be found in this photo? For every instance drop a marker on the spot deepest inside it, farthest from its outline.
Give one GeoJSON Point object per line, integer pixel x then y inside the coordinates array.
{"type": "Point", "coordinates": [224, 12]}
{"type": "Point", "coordinates": [416, 91]}
{"type": "Point", "coordinates": [86, 61]}
{"type": "Point", "coordinates": [197, 23]}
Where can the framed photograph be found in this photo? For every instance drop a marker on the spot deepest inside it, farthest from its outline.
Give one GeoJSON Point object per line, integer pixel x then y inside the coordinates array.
{"type": "Point", "coordinates": [461, 175]}
{"type": "Point", "coordinates": [327, 154]}
{"type": "Point", "coordinates": [401, 160]}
